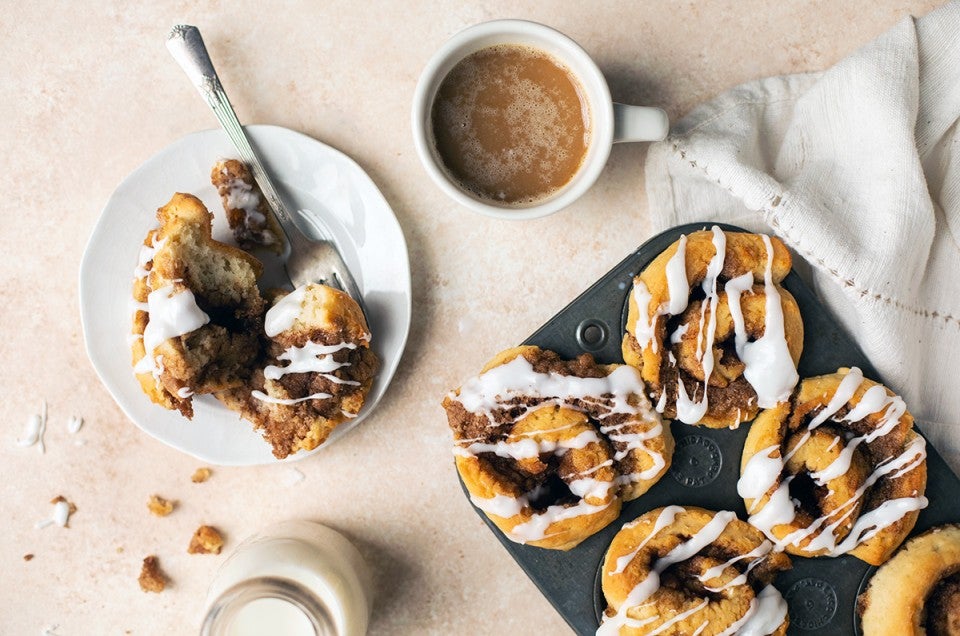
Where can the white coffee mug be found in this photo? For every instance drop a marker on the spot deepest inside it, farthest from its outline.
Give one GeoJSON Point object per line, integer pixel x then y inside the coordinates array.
{"type": "Point", "coordinates": [611, 122]}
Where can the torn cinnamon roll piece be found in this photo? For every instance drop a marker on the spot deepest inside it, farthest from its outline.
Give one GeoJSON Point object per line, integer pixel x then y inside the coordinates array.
{"type": "Point", "coordinates": [248, 213]}
{"type": "Point", "coordinates": [679, 571]}
{"type": "Point", "coordinates": [715, 336]}
{"type": "Point", "coordinates": [197, 308]}
{"type": "Point", "coordinates": [550, 448]}
{"type": "Point", "coordinates": [837, 470]}
{"type": "Point", "coordinates": [319, 368]}
{"type": "Point", "coordinates": [918, 590]}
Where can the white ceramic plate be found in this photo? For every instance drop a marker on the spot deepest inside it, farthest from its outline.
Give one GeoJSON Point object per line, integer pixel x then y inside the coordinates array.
{"type": "Point", "coordinates": [317, 179]}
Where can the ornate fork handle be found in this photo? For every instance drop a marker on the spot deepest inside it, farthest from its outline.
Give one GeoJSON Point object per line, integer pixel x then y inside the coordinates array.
{"type": "Point", "coordinates": [186, 45]}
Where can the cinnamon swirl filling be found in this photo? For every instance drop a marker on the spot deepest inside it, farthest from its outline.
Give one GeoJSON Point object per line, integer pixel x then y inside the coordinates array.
{"type": "Point", "coordinates": [918, 590]}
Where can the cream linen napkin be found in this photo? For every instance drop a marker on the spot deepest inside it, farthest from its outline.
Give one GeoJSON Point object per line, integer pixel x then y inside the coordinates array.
{"type": "Point", "coordinates": [857, 169]}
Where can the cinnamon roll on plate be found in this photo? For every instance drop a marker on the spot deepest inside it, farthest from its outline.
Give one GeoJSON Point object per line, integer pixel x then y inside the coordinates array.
{"type": "Point", "coordinates": [197, 310]}
{"type": "Point", "coordinates": [315, 373]}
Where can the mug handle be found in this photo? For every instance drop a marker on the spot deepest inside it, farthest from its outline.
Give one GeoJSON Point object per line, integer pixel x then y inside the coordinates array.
{"type": "Point", "coordinates": [639, 123]}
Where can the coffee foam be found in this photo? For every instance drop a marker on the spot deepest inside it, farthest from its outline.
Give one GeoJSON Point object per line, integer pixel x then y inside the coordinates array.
{"type": "Point", "coordinates": [513, 103]}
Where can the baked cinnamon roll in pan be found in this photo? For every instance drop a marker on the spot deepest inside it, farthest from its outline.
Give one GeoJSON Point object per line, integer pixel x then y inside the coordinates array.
{"type": "Point", "coordinates": [715, 336]}
{"type": "Point", "coordinates": [918, 590]}
{"type": "Point", "coordinates": [550, 448]}
{"type": "Point", "coordinates": [836, 470]}
{"type": "Point", "coordinates": [685, 570]}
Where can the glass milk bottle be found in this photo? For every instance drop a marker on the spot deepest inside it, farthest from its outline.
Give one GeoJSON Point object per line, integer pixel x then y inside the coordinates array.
{"type": "Point", "coordinates": [295, 578]}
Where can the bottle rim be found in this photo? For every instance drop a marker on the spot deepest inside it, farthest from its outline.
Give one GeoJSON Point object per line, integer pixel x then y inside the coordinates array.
{"type": "Point", "coordinates": [224, 610]}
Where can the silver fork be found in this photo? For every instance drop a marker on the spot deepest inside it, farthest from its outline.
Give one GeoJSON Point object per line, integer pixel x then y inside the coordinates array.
{"type": "Point", "coordinates": [305, 260]}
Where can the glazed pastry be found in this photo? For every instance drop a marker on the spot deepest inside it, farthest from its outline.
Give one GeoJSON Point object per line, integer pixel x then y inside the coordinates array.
{"type": "Point", "coordinates": [680, 571]}
{"type": "Point", "coordinates": [836, 470]}
{"type": "Point", "coordinates": [197, 309]}
{"type": "Point", "coordinates": [318, 370]}
{"type": "Point", "coordinates": [248, 214]}
{"type": "Point", "coordinates": [549, 448]}
{"type": "Point", "coordinates": [715, 336]}
{"type": "Point", "coordinates": [917, 591]}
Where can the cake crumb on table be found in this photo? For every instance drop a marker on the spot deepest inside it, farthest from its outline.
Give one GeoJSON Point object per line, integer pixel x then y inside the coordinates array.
{"type": "Point", "coordinates": [28, 557]}
{"type": "Point", "coordinates": [62, 509]}
{"type": "Point", "coordinates": [159, 506]}
{"type": "Point", "coordinates": [206, 540]}
{"type": "Point", "coordinates": [201, 475]}
{"type": "Point", "coordinates": [152, 579]}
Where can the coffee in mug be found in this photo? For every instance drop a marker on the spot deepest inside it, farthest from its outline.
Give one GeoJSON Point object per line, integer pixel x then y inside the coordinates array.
{"type": "Point", "coordinates": [511, 125]}
{"type": "Point", "coordinates": [513, 120]}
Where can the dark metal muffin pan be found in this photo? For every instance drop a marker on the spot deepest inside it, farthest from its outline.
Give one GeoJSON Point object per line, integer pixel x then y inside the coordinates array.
{"type": "Point", "coordinates": [821, 593]}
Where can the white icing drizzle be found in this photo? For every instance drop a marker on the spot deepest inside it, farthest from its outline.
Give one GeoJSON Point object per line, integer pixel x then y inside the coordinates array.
{"type": "Point", "coordinates": [184, 392]}
{"type": "Point", "coordinates": [35, 428]}
{"type": "Point", "coordinates": [61, 513]}
{"type": "Point", "coordinates": [527, 448]}
{"type": "Point", "coordinates": [145, 256]}
{"type": "Point", "coordinates": [768, 366]}
{"type": "Point", "coordinates": [74, 423]}
{"type": "Point", "coordinates": [844, 393]}
{"type": "Point", "coordinates": [282, 315]}
{"type": "Point", "coordinates": [689, 410]}
{"type": "Point", "coordinates": [764, 468]}
{"type": "Point", "coordinates": [757, 556]}
{"type": "Point", "coordinates": [677, 285]}
{"type": "Point", "coordinates": [241, 196]}
{"type": "Point", "coordinates": [60, 517]}
{"type": "Point", "coordinates": [632, 440]}
{"type": "Point", "coordinates": [766, 613]}
{"type": "Point", "coordinates": [679, 617]}
{"type": "Point", "coordinates": [889, 421]}
{"type": "Point", "coordinates": [311, 358]}
{"type": "Point", "coordinates": [735, 288]}
{"type": "Point", "coordinates": [662, 402]}
{"type": "Point", "coordinates": [666, 517]}
{"type": "Point", "coordinates": [536, 527]}
{"type": "Point", "coordinates": [501, 505]}
{"type": "Point", "coordinates": [644, 329]}
{"type": "Point", "coordinates": [709, 533]}
{"type": "Point", "coordinates": [678, 333]}
{"type": "Point", "coordinates": [263, 397]}
{"type": "Point", "coordinates": [172, 314]}
{"type": "Point", "coordinates": [488, 391]}
{"type": "Point", "coordinates": [760, 473]}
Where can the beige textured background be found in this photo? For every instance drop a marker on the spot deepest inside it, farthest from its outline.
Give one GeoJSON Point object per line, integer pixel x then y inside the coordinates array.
{"type": "Point", "coordinates": [89, 92]}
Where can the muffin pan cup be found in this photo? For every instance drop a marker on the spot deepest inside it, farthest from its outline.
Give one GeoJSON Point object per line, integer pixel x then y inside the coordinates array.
{"type": "Point", "coordinates": [821, 593]}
